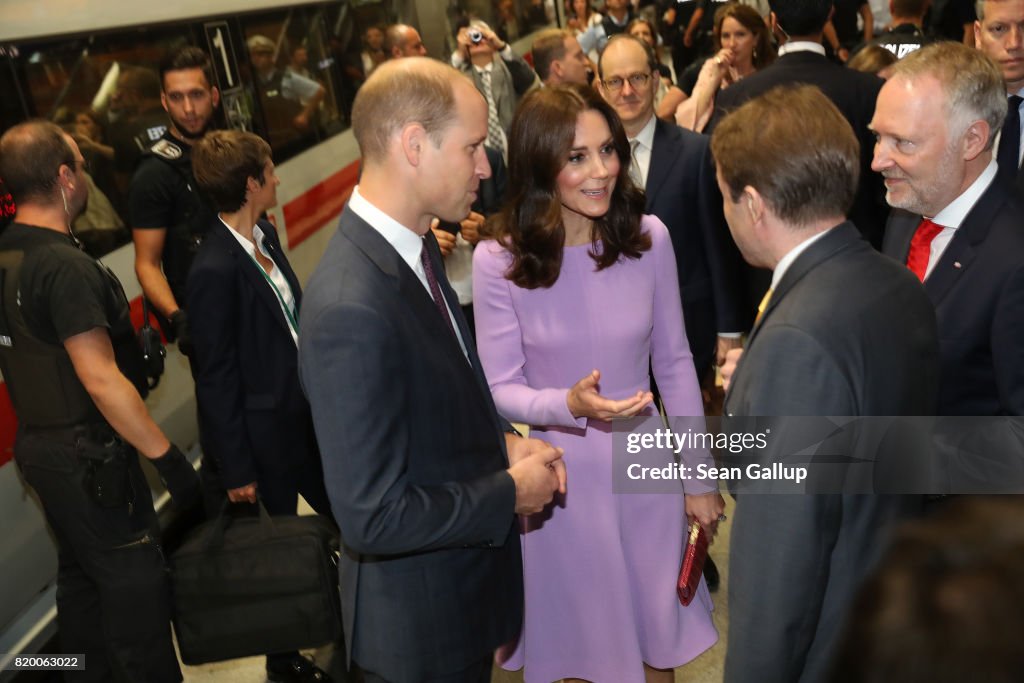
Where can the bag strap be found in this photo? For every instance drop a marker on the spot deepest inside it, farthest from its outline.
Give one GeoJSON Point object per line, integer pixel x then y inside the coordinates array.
{"type": "Point", "coordinates": [215, 539]}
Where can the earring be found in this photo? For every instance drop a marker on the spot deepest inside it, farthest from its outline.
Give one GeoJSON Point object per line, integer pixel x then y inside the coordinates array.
{"type": "Point", "coordinates": [754, 55]}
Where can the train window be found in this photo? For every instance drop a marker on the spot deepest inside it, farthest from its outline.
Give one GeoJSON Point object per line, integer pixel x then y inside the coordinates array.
{"type": "Point", "coordinates": [105, 91]}
{"type": "Point", "coordinates": [294, 69]}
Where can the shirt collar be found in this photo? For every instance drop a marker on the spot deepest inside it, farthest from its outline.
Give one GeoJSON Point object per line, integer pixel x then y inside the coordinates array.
{"type": "Point", "coordinates": [955, 212]}
{"type": "Point", "coordinates": [406, 242]}
{"type": "Point", "coordinates": [257, 237]}
{"type": "Point", "coordinates": [786, 261]}
{"type": "Point", "coordinates": [801, 46]}
{"type": "Point", "coordinates": [646, 135]}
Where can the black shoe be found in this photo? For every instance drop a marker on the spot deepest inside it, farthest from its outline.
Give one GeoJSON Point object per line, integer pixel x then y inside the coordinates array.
{"type": "Point", "coordinates": [300, 670]}
{"type": "Point", "coordinates": [711, 574]}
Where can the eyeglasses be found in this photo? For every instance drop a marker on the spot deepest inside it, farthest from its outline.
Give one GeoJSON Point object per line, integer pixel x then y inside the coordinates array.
{"type": "Point", "coordinates": [636, 81]}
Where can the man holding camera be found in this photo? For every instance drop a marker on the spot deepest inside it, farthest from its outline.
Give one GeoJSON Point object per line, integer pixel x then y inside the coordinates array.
{"type": "Point", "coordinates": [500, 75]}
{"type": "Point", "coordinates": [73, 368]}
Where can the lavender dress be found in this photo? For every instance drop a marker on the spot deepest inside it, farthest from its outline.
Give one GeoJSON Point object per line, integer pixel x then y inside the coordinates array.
{"type": "Point", "coordinates": [600, 569]}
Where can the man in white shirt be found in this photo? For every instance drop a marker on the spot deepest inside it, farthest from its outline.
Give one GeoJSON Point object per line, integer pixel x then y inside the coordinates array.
{"type": "Point", "coordinates": [843, 331]}
{"type": "Point", "coordinates": [422, 481]}
{"type": "Point", "coordinates": [673, 166]}
{"type": "Point", "coordinates": [952, 224]}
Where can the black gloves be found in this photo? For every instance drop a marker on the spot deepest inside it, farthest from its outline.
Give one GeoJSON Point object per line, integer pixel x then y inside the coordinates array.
{"type": "Point", "coordinates": [179, 321]}
{"type": "Point", "coordinates": [180, 480]}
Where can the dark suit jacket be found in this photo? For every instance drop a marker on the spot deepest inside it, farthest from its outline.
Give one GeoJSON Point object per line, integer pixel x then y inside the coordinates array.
{"type": "Point", "coordinates": [977, 288]}
{"type": "Point", "coordinates": [255, 420]}
{"type": "Point", "coordinates": [822, 348]}
{"type": "Point", "coordinates": [682, 192]}
{"type": "Point", "coordinates": [414, 461]}
{"type": "Point", "coordinates": [853, 92]}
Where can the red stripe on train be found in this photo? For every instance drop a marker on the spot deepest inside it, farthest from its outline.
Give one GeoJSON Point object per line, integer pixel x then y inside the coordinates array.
{"type": "Point", "coordinates": [311, 210]}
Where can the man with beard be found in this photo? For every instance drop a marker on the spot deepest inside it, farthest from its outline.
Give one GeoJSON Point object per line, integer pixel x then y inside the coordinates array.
{"type": "Point", "coordinates": [953, 224]}
{"type": "Point", "coordinates": [168, 216]}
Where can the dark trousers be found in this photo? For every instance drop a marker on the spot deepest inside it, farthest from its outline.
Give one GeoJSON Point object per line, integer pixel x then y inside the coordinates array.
{"type": "Point", "coordinates": [113, 597]}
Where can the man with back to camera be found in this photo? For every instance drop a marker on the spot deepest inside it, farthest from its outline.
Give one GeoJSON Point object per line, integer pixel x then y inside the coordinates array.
{"type": "Point", "coordinates": [558, 58]}
{"type": "Point", "coordinates": [402, 40]}
{"type": "Point", "coordinates": [798, 24]}
{"type": "Point", "coordinates": [905, 34]}
{"type": "Point", "coordinates": [72, 365]}
{"type": "Point", "coordinates": [953, 223]}
{"type": "Point", "coordinates": [414, 456]}
{"type": "Point", "coordinates": [999, 33]}
{"type": "Point", "coordinates": [168, 215]}
{"type": "Point", "coordinates": [787, 168]}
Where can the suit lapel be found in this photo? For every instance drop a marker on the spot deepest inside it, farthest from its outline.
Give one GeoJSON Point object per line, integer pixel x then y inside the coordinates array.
{"type": "Point", "coordinates": [841, 237]}
{"type": "Point", "coordinates": [273, 245]}
{"type": "Point", "coordinates": [899, 231]}
{"type": "Point", "coordinates": [663, 156]}
{"type": "Point", "coordinates": [960, 252]}
{"type": "Point", "coordinates": [254, 275]}
{"type": "Point", "coordinates": [412, 291]}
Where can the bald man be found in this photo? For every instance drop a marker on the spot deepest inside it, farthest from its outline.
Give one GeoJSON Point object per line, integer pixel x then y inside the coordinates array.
{"type": "Point", "coordinates": [424, 478]}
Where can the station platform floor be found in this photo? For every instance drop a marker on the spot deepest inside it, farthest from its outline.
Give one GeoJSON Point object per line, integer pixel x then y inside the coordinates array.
{"type": "Point", "coordinates": [705, 669]}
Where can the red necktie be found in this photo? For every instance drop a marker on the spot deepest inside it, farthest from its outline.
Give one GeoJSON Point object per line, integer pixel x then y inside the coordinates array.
{"type": "Point", "coordinates": [921, 246]}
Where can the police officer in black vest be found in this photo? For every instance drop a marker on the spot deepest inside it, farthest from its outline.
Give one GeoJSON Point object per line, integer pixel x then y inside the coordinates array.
{"type": "Point", "coordinates": [74, 371]}
{"type": "Point", "coordinates": [168, 215]}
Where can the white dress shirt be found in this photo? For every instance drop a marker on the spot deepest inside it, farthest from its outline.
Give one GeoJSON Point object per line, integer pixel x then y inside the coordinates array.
{"type": "Point", "coordinates": [786, 261]}
{"type": "Point", "coordinates": [801, 46]}
{"type": "Point", "coordinates": [953, 215]}
{"type": "Point", "coordinates": [644, 147]}
{"type": "Point", "coordinates": [283, 292]}
{"type": "Point", "coordinates": [407, 243]}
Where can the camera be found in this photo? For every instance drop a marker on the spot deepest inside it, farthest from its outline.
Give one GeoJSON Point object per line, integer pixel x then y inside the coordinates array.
{"type": "Point", "coordinates": [475, 36]}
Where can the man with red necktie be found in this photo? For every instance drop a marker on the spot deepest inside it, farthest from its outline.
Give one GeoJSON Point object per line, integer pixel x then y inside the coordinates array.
{"type": "Point", "coordinates": [959, 231]}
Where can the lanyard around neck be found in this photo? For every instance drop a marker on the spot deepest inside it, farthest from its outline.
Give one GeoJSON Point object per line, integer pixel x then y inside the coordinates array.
{"type": "Point", "coordinates": [284, 307]}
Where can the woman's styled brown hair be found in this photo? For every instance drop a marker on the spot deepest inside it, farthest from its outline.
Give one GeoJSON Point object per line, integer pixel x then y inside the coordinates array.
{"type": "Point", "coordinates": [530, 224]}
{"type": "Point", "coordinates": [747, 17]}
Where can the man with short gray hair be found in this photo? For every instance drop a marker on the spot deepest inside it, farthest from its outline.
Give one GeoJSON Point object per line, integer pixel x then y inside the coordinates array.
{"type": "Point", "coordinates": [953, 225]}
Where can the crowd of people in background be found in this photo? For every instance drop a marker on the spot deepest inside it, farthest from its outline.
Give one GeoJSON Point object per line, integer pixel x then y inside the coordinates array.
{"type": "Point", "coordinates": [818, 218]}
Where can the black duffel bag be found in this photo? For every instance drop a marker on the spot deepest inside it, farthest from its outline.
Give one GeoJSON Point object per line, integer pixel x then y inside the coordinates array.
{"type": "Point", "coordinates": [256, 585]}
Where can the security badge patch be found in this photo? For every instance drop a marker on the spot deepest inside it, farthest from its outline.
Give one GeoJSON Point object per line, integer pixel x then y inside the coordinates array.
{"type": "Point", "coordinates": [166, 149]}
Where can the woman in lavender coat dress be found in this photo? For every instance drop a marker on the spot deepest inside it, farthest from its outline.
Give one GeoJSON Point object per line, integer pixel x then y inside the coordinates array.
{"type": "Point", "coordinates": [574, 299]}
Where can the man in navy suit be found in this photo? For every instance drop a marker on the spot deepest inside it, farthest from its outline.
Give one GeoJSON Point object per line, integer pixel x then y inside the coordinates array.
{"type": "Point", "coordinates": [674, 167]}
{"type": "Point", "coordinates": [798, 24]}
{"type": "Point", "coordinates": [999, 33]}
{"type": "Point", "coordinates": [423, 482]}
{"type": "Point", "coordinates": [957, 229]}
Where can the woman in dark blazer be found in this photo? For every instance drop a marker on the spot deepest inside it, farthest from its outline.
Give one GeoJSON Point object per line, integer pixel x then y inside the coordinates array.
{"type": "Point", "coordinates": [243, 303]}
